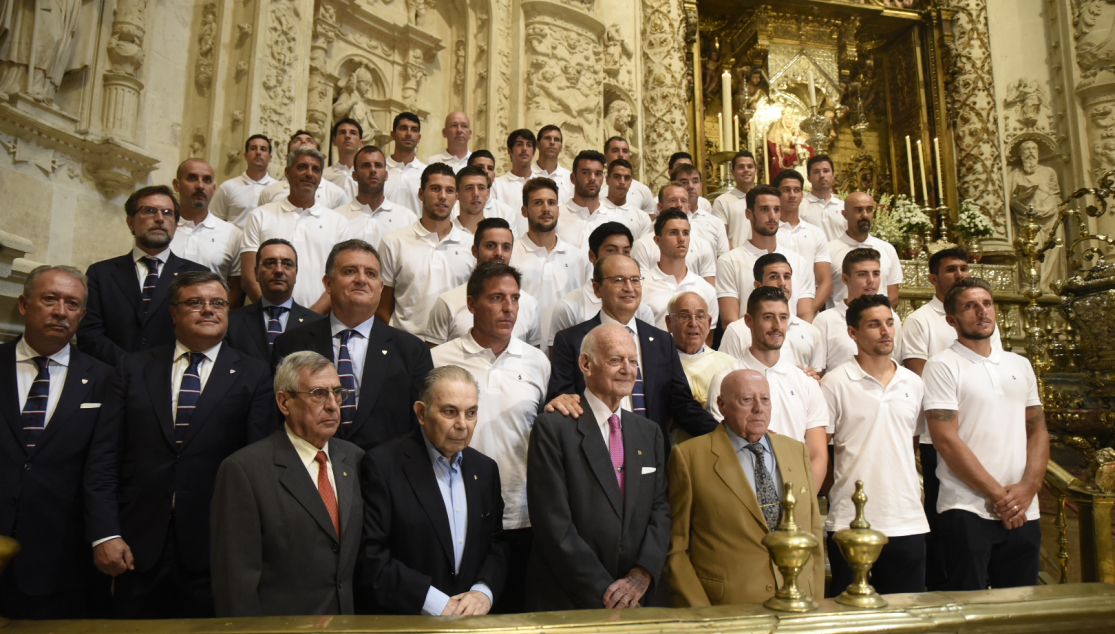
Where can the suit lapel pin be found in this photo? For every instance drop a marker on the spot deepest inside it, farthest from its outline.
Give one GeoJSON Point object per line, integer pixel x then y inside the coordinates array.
{"type": "Point", "coordinates": [650, 338]}
{"type": "Point", "coordinates": [84, 381]}
{"type": "Point", "coordinates": [475, 478]}
{"type": "Point", "coordinates": [299, 320]}
{"type": "Point", "coordinates": [176, 274]}
{"type": "Point", "coordinates": [803, 490]}
{"type": "Point", "coordinates": [640, 452]}
{"type": "Point", "coordinates": [344, 473]}
{"type": "Point", "coordinates": [232, 371]}
{"type": "Point", "coordinates": [384, 351]}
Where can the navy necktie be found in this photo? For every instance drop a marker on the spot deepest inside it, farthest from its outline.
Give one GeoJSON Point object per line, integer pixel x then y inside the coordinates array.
{"type": "Point", "coordinates": [188, 394]}
{"type": "Point", "coordinates": [348, 378]}
{"type": "Point", "coordinates": [638, 398]}
{"type": "Point", "coordinates": [34, 411]}
{"type": "Point", "coordinates": [150, 281]}
{"type": "Point", "coordinates": [274, 326]}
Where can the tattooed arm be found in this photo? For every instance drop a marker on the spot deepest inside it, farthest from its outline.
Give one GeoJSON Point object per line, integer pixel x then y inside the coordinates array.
{"type": "Point", "coordinates": [1012, 507]}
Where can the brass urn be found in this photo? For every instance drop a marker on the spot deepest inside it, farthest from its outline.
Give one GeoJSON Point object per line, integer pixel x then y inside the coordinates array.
{"type": "Point", "coordinates": [790, 548]}
{"type": "Point", "coordinates": [8, 548]}
{"type": "Point", "coordinates": [861, 547]}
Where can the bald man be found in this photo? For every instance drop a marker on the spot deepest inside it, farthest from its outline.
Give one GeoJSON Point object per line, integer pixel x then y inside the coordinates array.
{"type": "Point", "coordinates": [725, 493]}
{"type": "Point", "coordinates": [201, 236]}
{"type": "Point", "coordinates": [859, 211]}
{"type": "Point", "coordinates": [457, 133]}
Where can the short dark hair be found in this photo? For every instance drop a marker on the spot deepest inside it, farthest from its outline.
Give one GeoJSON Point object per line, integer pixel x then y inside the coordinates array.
{"type": "Point", "coordinates": [490, 271]}
{"type": "Point", "coordinates": [248, 143]}
{"type": "Point", "coordinates": [488, 224]}
{"type": "Point", "coordinates": [350, 121]}
{"type": "Point", "coordinates": [548, 128]}
{"type": "Point", "coordinates": [742, 154]}
{"type": "Point", "coordinates": [534, 184]}
{"type": "Point", "coordinates": [405, 116]}
{"type": "Point", "coordinates": [662, 191]}
{"type": "Point", "coordinates": [965, 284]}
{"type": "Point", "coordinates": [760, 190]}
{"type": "Point", "coordinates": [614, 138]}
{"type": "Point", "coordinates": [479, 154]}
{"type": "Point", "coordinates": [862, 303]}
{"type": "Point", "coordinates": [819, 158]}
{"type": "Point", "coordinates": [855, 256]}
{"type": "Point", "coordinates": [348, 245]}
{"type": "Point", "coordinates": [367, 149]}
{"type": "Point", "coordinates": [684, 168]}
{"type": "Point", "coordinates": [589, 155]}
{"type": "Point", "coordinates": [521, 133]}
{"type": "Point", "coordinates": [673, 213]}
{"type": "Point", "coordinates": [131, 206]}
{"type": "Point", "coordinates": [776, 182]}
{"type": "Point", "coordinates": [598, 268]}
{"type": "Point", "coordinates": [272, 242]}
{"type": "Point", "coordinates": [765, 294]}
{"type": "Point", "coordinates": [765, 260]}
{"type": "Point", "coordinates": [298, 134]}
{"type": "Point", "coordinates": [436, 168]}
{"type": "Point", "coordinates": [935, 260]}
{"type": "Point", "coordinates": [606, 230]}
{"type": "Point", "coordinates": [674, 158]}
{"type": "Point", "coordinates": [189, 278]}
{"type": "Point", "coordinates": [619, 163]}
{"type": "Point", "coordinates": [472, 170]}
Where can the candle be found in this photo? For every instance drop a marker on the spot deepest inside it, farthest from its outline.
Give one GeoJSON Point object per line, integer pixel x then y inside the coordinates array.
{"type": "Point", "coordinates": [726, 98]}
{"type": "Point", "coordinates": [812, 89]}
{"type": "Point", "coordinates": [720, 128]}
{"type": "Point", "coordinates": [910, 163]}
{"type": "Point", "coordinates": [940, 181]}
{"type": "Point", "coordinates": [735, 131]}
{"type": "Point", "coordinates": [921, 168]}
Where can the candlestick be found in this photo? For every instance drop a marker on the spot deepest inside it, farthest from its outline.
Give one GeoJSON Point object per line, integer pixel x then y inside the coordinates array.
{"type": "Point", "coordinates": [720, 128]}
{"type": "Point", "coordinates": [921, 168]}
{"type": "Point", "coordinates": [812, 90]}
{"type": "Point", "coordinates": [735, 131]}
{"type": "Point", "coordinates": [940, 181]}
{"type": "Point", "coordinates": [726, 99]}
{"type": "Point", "coordinates": [910, 163]}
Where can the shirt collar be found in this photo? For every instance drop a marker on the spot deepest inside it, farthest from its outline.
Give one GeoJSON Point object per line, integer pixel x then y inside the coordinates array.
{"type": "Point", "coordinates": [578, 210]}
{"type": "Point", "coordinates": [162, 256]}
{"type": "Point", "coordinates": [739, 442]}
{"type": "Point", "coordinates": [813, 198]}
{"type": "Point", "coordinates": [336, 327]}
{"type": "Point", "coordinates": [559, 247]}
{"type": "Point", "coordinates": [605, 318]}
{"type": "Point", "coordinates": [599, 409]}
{"type": "Point", "coordinates": [393, 163]}
{"type": "Point", "coordinates": [783, 366]}
{"type": "Point", "coordinates": [286, 205]}
{"type": "Point", "coordinates": [471, 347]}
{"type": "Point", "coordinates": [700, 353]}
{"type": "Point", "coordinates": [437, 457]}
{"type": "Point", "coordinates": [341, 167]}
{"type": "Point", "coordinates": [974, 356]}
{"type": "Point", "coordinates": [456, 233]}
{"type": "Point", "coordinates": [856, 373]}
{"type": "Point", "coordinates": [852, 242]}
{"type": "Point", "coordinates": [515, 179]}
{"type": "Point", "coordinates": [24, 352]}
{"type": "Point", "coordinates": [288, 304]}
{"type": "Point", "coordinates": [306, 451]}
{"type": "Point", "coordinates": [210, 222]}
{"type": "Point", "coordinates": [754, 250]}
{"type": "Point", "coordinates": [266, 180]}
{"type": "Point", "coordinates": [181, 349]}
{"type": "Point", "coordinates": [937, 305]}
{"type": "Point", "coordinates": [539, 171]}
{"type": "Point", "coordinates": [737, 193]}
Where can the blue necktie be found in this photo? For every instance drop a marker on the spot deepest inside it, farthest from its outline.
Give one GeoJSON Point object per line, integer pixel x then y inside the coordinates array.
{"type": "Point", "coordinates": [348, 378]}
{"type": "Point", "coordinates": [274, 326]}
{"type": "Point", "coordinates": [638, 399]}
{"type": "Point", "coordinates": [188, 394]}
{"type": "Point", "coordinates": [34, 411]}
{"type": "Point", "coordinates": [150, 281]}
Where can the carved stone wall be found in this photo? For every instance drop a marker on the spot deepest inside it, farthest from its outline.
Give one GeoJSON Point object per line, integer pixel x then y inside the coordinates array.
{"type": "Point", "coordinates": [665, 84]}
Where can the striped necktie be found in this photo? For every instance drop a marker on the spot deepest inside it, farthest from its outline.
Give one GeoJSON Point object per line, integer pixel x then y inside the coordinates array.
{"type": "Point", "coordinates": [764, 487]}
{"type": "Point", "coordinates": [348, 378]}
{"type": "Point", "coordinates": [274, 326]}
{"type": "Point", "coordinates": [34, 410]}
{"type": "Point", "coordinates": [638, 398]}
{"type": "Point", "coordinates": [150, 281]}
{"type": "Point", "coordinates": [188, 394]}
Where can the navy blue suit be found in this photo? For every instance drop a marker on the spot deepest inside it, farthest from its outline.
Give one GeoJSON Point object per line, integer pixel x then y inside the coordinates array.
{"type": "Point", "coordinates": [247, 330]}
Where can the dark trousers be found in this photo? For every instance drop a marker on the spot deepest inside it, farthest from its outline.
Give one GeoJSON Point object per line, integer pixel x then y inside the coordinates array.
{"type": "Point", "coordinates": [982, 553]}
{"type": "Point", "coordinates": [167, 590]}
{"type": "Point", "coordinates": [934, 557]}
{"type": "Point", "coordinates": [87, 598]}
{"type": "Point", "coordinates": [510, 601]}
{"type": "Point", "coordinates": [900, 567]}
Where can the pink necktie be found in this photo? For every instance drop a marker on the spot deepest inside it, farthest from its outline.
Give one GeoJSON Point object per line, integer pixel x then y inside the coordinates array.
{"type": "Point", "coordinates": [615, 441]}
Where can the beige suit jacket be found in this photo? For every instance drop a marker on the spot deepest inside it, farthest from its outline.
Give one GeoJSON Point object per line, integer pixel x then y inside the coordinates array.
{"type": "Point", "coordinates": [716, 552]}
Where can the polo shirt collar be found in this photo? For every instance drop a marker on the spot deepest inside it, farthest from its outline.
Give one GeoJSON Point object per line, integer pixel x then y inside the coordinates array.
{"type": "Point", "coordinates": [248, 180]}
{"type": "Point", "coordinates": [24, 352]}
{"type": "Point", "coordinates": [336, 326]}
{"type": "Point", "coordinates": [754, 250]}
{"type": "Point", "coordinates": [813, 198]}
{"type": "Point", "coordinates": [850, 241]}
{"type": "Point", "coordinates": [393, 163]}
{"type": "Point", "coordinates": [286, 205]}
{"type": "Point", "coordinates": [579, 210]}
{"type": "Point", "coordinates": [737, 193]}
{"type": "Point", "coordinates": [537, 169]}
{"type": "Point", "coordinates": [559, 247]}
{"type": "Point", "coordinates": [857, 373]}
{"type": "Point", "coordinates": [937, 305]}
{"type": "Point", "coordinates": [210, 222]}
{"type": "Point", "coordinates": [456, 234]}
{"type": "Point", "coordinates": [515, 179]}
{"type": "Point", "coordinates": [784, 365]}
{"type": "Point", "coordinates": [471, 347]}
{"type": "Point", "coordinates": [975, 357]}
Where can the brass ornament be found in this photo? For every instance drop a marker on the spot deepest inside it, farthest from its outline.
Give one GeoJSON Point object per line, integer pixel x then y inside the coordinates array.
{"type": "Point", "coordinates": [860, 546]}
{"type": "Point", "coordinates": [790, 548]}
{"type": "Point", "coordinates": [8, 549]}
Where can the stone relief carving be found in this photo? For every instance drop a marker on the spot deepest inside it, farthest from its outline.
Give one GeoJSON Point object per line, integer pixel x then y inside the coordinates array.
{"type": "Point", "coordinates": [1036, 186]}
{"type": "Point", "coordinates": [416, 11]}
{"type": "Point", "coordinates": [358, 90]}
{"type": "Point", "coordinates": [620, 120]}
{"type": "Point", "coordinates": [207, 33]}
{"type": "Point", "coordinates": [278, 83]}
{"type": "Point", "coordinates": [459, 62]}
{"type": "Point", "coordinates": [503, 68]}
{"type": "Point", "coordinates": [122, 87]}
{"type": "Point", "coordinates": [37, 45]}
{"type": "Point", "coordinates": [125, 47]}
{"type": "Point", "coordinates": [617, 57]}
{"type": "Point", "coordinates": [320, 90]}
{"type": "Point", "coordinates": [665, 125]}
{"type": "Point", "coordinates": [1094, 25]}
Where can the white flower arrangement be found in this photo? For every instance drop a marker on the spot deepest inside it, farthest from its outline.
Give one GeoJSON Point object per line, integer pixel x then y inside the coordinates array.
{"type": "Point", "coordinates": [909, 216]}
{"type": "Point", "coordinates": [971, 221]}
{"type": "Point", "coordinates": [886, 226]}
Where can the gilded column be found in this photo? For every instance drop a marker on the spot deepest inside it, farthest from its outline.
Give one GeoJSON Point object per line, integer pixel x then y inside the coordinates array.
{"type": "Point", "coordinates": [122, 84]}
{"type": "Point", "coordinates": [665, 79]}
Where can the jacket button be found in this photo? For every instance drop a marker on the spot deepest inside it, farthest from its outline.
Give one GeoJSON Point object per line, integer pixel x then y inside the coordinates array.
{"type": "Point", "coordinates": [15, 500]}
{"type": "Point", "coordinates": [27, 467]}
{"type": "Point", "coordinates": [336, 548]}
{"type": "Point", "coordinates": [143, 342]}
{"type": "Point", "coordinates": [340, 585]}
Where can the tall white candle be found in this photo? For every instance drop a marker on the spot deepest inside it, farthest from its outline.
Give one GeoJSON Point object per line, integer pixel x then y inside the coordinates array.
{"type": "Point", "coordinates": [726, 98]}
{"type": "Point", "coordinates": [812, 89]}
{"type": "Point", "coordinates": [910, 163]}
{"type": "Point", "coordinates": [735, 132]}
{"type": "Point", "coordinates": [921, 168]}
{"type": "Point", "coordinates": [720, 129]}
{"type": "Point", "coordinates": [940, 181]}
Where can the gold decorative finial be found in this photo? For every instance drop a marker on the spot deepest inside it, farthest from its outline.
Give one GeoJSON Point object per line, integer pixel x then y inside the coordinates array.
{"type": "Point", "coordinates": [790, 549]}
{"type": "Point", "coordinates": [860, 546]}
{"type": "Point", "coordinates": [8, 549]}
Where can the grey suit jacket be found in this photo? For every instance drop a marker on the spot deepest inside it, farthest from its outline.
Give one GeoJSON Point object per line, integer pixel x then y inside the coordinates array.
{"type": "Point", "coordinates": [274, 550]}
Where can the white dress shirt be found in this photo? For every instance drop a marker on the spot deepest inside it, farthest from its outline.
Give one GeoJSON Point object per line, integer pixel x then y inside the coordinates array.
{"type": "Point", "coordinates": [582, 305]}
{"type": "Point", "coordinates": [890, 269]}
{"type": "Point", "coordinates": [182, 363]}
{"type": "Point", "coordinates": [212, 243]}
{"type": "Point", "coordinates": [659, 288]}
{"type": "Point", "coordinates": [450, 319]}
{"type": "Point", "coordinates": [829, 216]}
{"type": "Point", "coordinates": [735, 275]}
{"type": "Point", "coordinates": [450, 159]}
{"type": "Point", "coordinates": [838, 345]}
{"type": "Point", "coordinates": [57, 366]}
{"type": "Point", "coordinates": [701, 259]}
{"type": "Point", "coordinates": [341, 175]}
{"type": "Point", "coordinates": [357, 346]}
{"type": "Point", "coordinates": [328, 195]}
{"type": "Point", "coordinates": [602, 413]}
{"type": "Point", "coordinates": [549, 276]}
{"type": "Point", "coordinates": [403, 182]}
{"type": "Point", "coordinates": [731, 209]}
{"type": "Point", "coordinates": [639, 198]}
{"type": "Point", "coordinates": [141, 268]}
{"type": "Point", "coordinates": [420, 267]}
{"type": "Point", "coordinates": [802, 340]}
{"type": "Point", "coordinates": [307, 454]}
{"type": "Point", "coordinates": [238, 196]}
{"type": "Point", "coordinates": [366, 223]}
{"type": "Point", "coordinates": [561, 177]}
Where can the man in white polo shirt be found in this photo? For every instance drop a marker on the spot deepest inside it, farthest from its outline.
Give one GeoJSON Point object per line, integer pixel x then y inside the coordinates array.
{"type": "Point", "coordinates": [327, 195]}
{"type": "Point", "coordinates": [475, 202]}
{"type": "Point", "coordinates": [550, 143]}
{"type": "Point", "coordinates": [201, 236]}
{"type": "Point", "coordinates": [457, 133]}
{"type": "Point", "coordinates": [678, 159]}
{"type": "Point", "coordinates": [586, 211]}
{"type": "Point", "coordinates": [639, 197]}
{"type": "Point", "coordinates": [422, 261]}
{"type": "Point", "coordinates": [730, 208]}
{"type": "Point", "coordinates": [701, 257]}
{"type": "Point", "coordinates": [508, 188]}
{"type": "Point", "coordinates": [862, 278]}
{"type": "Point", "coordinates": [371, 216]}
{"type": "Point", "coordinates": [347, 135]}
{"type": "Point", "coordinates": [705, 225]}
{"type": "Point", "coordinates": [859, 209]}
{"type": "Point", "coordinates": [513, 377]}
{"type": "Point", "coordinates": [802, 237]}
{"type": "Point", "coordinates": [820, 207]}
{"type": "Point", "coordinates": [875, 409]}
{"type": "Point", "coordinates": [237, 196]}
{"type": "Point", "coordinates": [312, 228]}
{"type": "Point", "coordinates": [404, 170]}
{"type": "Point", "coordinates": [484, 162]}
{"type": "Point", "coordinates": [797, 406]}
{"type": "Point", "coordinates": [988, 426]}
{"type": "Point", "coordinates": [670, 275]}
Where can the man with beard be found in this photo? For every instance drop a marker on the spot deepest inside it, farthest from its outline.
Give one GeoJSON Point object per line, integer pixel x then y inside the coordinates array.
{"type": "Point", "coordinates": [820, 208]}
{"type": "Point", "coordinates": [701, 258]}
{"type": "Point", "coordinates": [457, 133]}
{"type": "Point", "coordinates": [1037, 186]}
{"type": "Point", "coordinates": [583, 213]}
{"type": "Point", "coordinates": [549, 151]}
{"type": "Point", "coordinates": [508, 188]}
{"type": "Point", "coordinates": [862, 277]}
{"type": "Point", "coordinates": [370, 215]}
{"type": "Point", "coordinates": [201, 236]}
{"type": "Point", "coordinates": [128, 302]}
{"type": "Point", "coordinates": [404, 168]}
{"type": "Point", "coordinates": [329, 195]}
{"type": "Point", "coordinates": [237, 196]}
{"type": "Point", "coordinates": [346, 138]}
{"type": "Point", "coordinates": [859, 211]}
{"type": "Point", "coordinates": [491, 208]}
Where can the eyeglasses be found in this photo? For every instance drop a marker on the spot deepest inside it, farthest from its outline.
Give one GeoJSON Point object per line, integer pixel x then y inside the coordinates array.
{"type": "Point", "coordinates": [319, 394]}
{"type": "Point", "coordinates": [688, 317]}
{"type": "Point", "coordinates": [198, 305]}
{"type": "Point", "coordinates": [151, 212]}
{"type": "Point", "coordinates": [271, 263]}
{"type": "Point", "coordinates": [619, 280]}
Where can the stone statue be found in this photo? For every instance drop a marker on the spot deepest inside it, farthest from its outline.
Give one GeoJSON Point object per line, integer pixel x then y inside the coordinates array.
{"type": "Point", "coordinates": [125, 49]}
{"type": "Point", "coordinates": [1037, 185]}
{"type": "Point", "coordinates": [36, 45]}
{"type": "Point", "coordinates": [617, 54]}
{"type": "Point", "coordinates": [354, 102]}
{"type": "Point", "coordinates": [619, 120]}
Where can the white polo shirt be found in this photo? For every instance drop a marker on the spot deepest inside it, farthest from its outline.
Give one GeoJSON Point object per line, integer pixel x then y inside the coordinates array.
{"type": "Point", "coordinates": [582, 305]}
{"type": "Point", "coordinates": [512, 388]}
{"type": "Point", "coordinates": [508, 189]}
{"type": "Point", "coordinates": [796, 401]}
{"type": "Point", "coordinates": [327, 195]}
{"type": "Point", "coordinates": [803, 341]}
{"type": "Point", "coordinates": [873, 427]}
{"type": "Point", "coordinates": [495, 209]}
{"type": "Point", "coordinates": [700, 259]}
{"type": "Point", "coordinates": [313, 232]}
{"type": "Point", "coordinates": [559, 176]}
{"type": "Point", "coordinates": [236, 197]}
{"type": "Point", "coordinates": [341, 175]}
{"type": "Point", "coordinates": [829, 216]}
{"type": "Point", "coordinates": [450, 319]}
{"type": "Point", "coordinates": [838, 346]}
{"type": "Point", "coordinates": [576, 223]}
{"type": "Point", "coordinates": [710, 229]}
{"type": "Point", "coordinates": [212, 243]}
{"type": "Point", "coordinates": [926, 332]}
{"type": "Point", "coordinates": [991, 395]}
{"type": "Point", "coordinates": [890, 269]}
{"type": "Point", "coordinates": [807, 240]}
{"type": "Point", "coordinates": [639, 198]}
{"type": "Point", "coordinates": [403, 181]}
{"type": "Point", "coordinates": [370, 225]}
{"type": "Point", "coordinates": [420, 267]}
{"type": "Point", "coordinates": [449, 159]}
{"type": "Point", "coordinates": [735, 275]}
{"type": "Point", "coordinates": [659, 288]}
{"type": "Point", "coordinates": [549, 276]}
{"type": "Point", "coordinates": [731, 209]}
{"type": "Point", "coordinates": [704, 205]}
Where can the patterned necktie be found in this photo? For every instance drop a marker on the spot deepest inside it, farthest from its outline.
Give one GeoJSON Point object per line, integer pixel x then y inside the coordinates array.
{"type": "Point", "coordinates": [274, 326]}
{"type": "Point", "coordinates": [615, 448]}
{"type": "Point", "coordinates": [188, 393]}
{"type": "Point", "coordinates": [34, 411]}
{"type": "Point", "coordinates": [348, 378]}
{"type": "Point", "coordinates": [326, 490]}
{"type": "Point", "coordinates": [150, 281]}
{"type": "Point", "coordinates": [638, 399]}
{"type": "Point", "coordinates": [764, 487]}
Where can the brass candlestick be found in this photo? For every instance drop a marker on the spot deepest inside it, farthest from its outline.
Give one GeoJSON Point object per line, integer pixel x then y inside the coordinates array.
{"type": "Point", "coordinates": [861, 547]}
{"type": "Point", "coordinates": [789, 549]}
{"type": "Point", "coordinates": [8, 548]}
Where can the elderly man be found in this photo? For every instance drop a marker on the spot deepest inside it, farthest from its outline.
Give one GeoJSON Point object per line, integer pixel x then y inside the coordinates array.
{"type": "Point", "coordinates": [50, 395]}
{"type": "Point", "coordinates": [457, 133]}
{"type": "Point", "coordinates": [596, 488]}
{"type": "Point", "coordinates": [725, 491]}
{"type": "Point", "coordinates": [431, 489]}
{"type": "Point", "coordinates": [287, 510]}
{"type": "Point", "coordinates": [329, 195]}
{"type": "Point", "coordinates": [689, 321]}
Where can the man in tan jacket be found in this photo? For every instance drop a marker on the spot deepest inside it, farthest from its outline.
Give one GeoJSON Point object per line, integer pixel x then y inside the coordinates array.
{"type": "Point", "coordinates": [725, 489]}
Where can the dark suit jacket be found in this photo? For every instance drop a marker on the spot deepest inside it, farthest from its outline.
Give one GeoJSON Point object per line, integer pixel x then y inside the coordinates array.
{"type": "Point", "coordinates": [665, 386]}
{"type": "Point", "coordinates": [407, 544]}
{"type": "Point", "coordinates": [247, 330]}
{"type": "Point", "coordinates": [394, 368]}
{"type": "Point", "coordinates": [275, 551]}
{"type": "Point", "coordinates": [115, 323]}
{"type": "Point", "coordinates": [585, 534]}
{"type": "Point", "coordinates": [41, 489]}
{"type": "Point", "coordinates": [135, 471]}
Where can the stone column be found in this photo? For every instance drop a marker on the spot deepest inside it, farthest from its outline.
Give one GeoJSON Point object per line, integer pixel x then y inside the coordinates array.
{"type": "Point", "coordinates": [665, 81]}
{"type": "Point", "coordinates": [320, 99]}
{"type": "Point", "coordinates": [122, 84]}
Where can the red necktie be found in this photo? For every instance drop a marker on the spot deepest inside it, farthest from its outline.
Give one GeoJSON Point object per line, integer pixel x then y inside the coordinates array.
{"type": "Point", "coordinates": [615, 442]}
{"type": "Point", "coordinates": [326, 491]}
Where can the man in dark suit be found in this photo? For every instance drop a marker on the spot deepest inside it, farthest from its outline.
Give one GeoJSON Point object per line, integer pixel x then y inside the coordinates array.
{"type": "Point", "coordinates": [252, 329]}
{"type": "Point", "coordinates": [173, 414]}
{"type": "Point", "coordinates": [50, 395]}
{"type": "Point", "coordinates": [383, 366]}
{"type": "Point", "coordinates": [287, 510]}
{"type": "Point", "coordinates": [596, 490]}
{"type": "Point", "coordinates": [127, 309]}
{"type": "Point", "coordinates": [433, 511]}
{"type": "Point", "coordinates": [661, 391]}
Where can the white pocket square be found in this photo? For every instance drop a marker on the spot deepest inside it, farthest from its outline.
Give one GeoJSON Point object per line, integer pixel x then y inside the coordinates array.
{"type": "Point", "coordinates": [647, 470]}
{"type": "Point", "coordinates": [90, 405]}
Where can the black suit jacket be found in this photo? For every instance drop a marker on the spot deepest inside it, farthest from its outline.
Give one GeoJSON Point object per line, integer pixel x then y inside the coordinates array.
{"type": "Point", "coordinates": [394, 369]}
{"type": "Point", "coordinates": [586, 535]}
{"type": "Point", "coordinates": [407, 544]}
{"type": "Point", "coordinates": [41, 488]}
{"type": "Point", "coordinates": [135, 471]}
{"type": "Point", "coordinates": [247, 330]}
{"type": "Point", "coordinates": [665, 387]}
{"type": "Point", "coordinates": [115, 323]}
